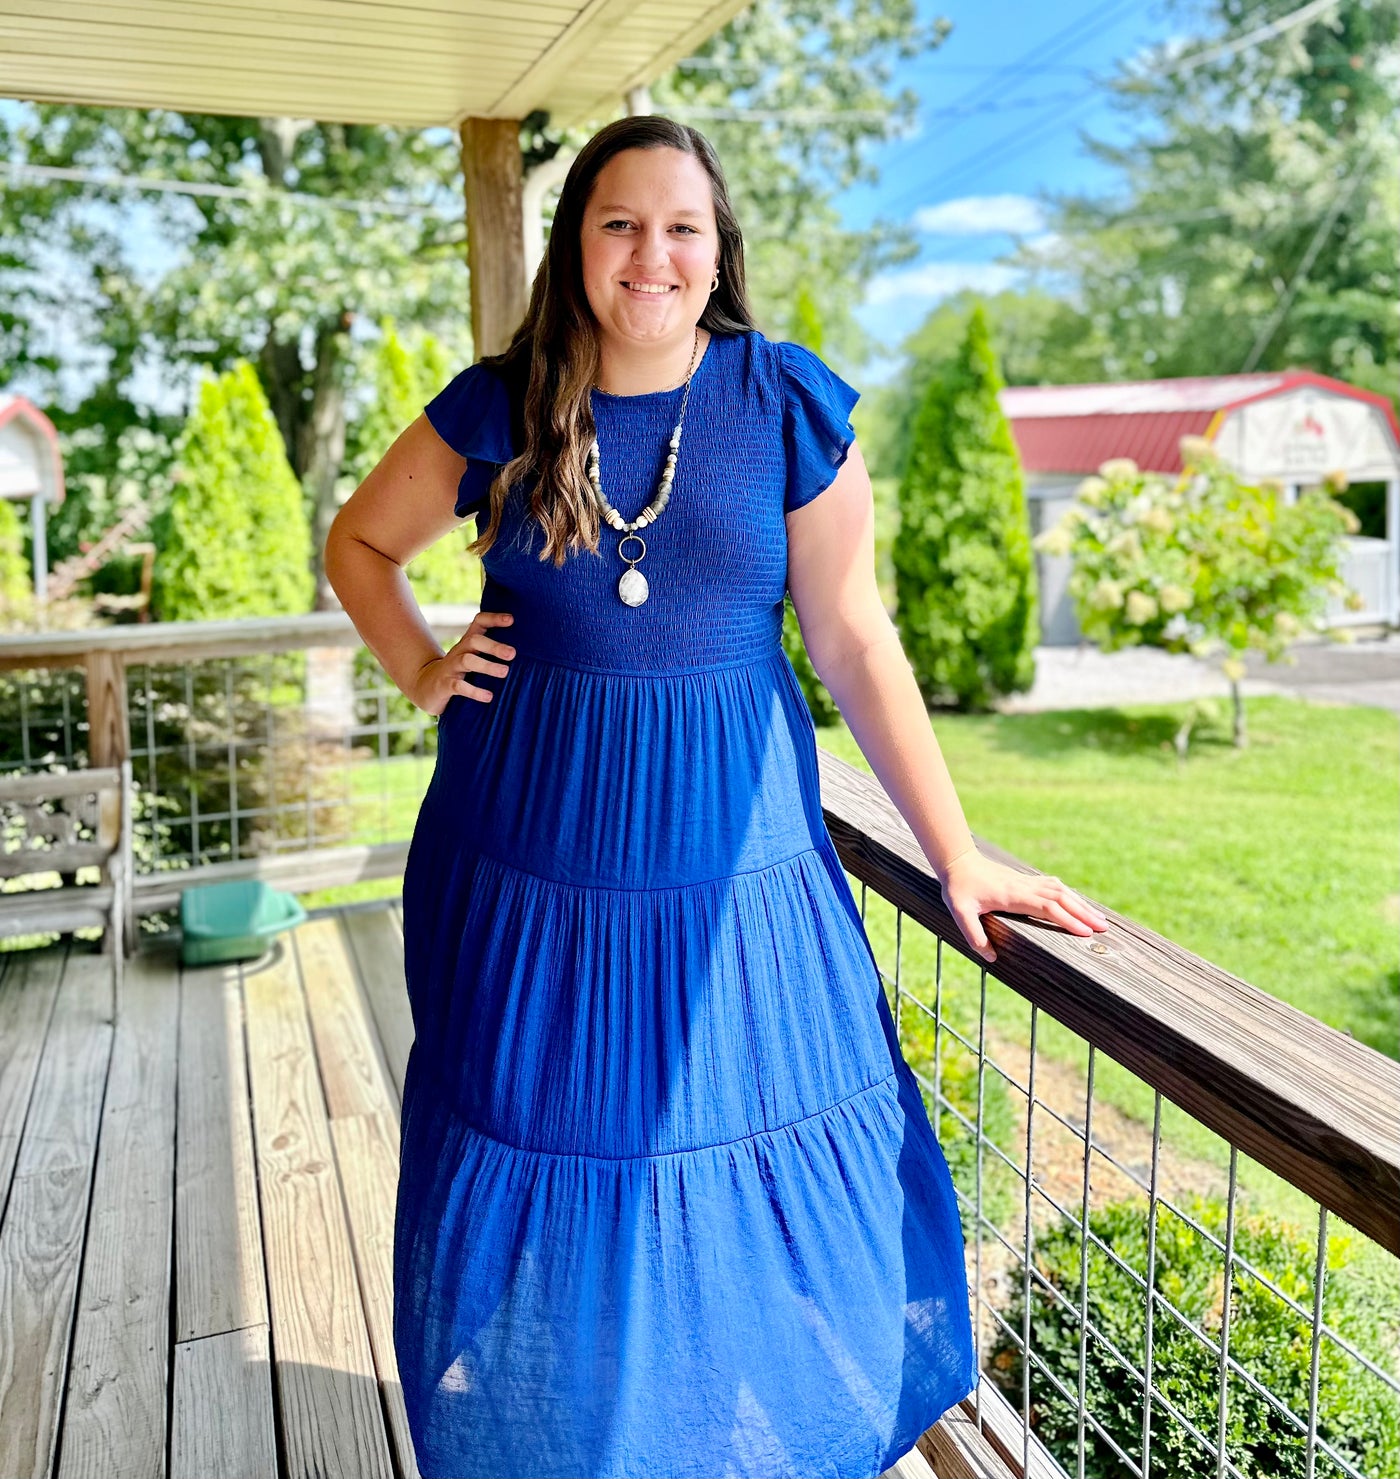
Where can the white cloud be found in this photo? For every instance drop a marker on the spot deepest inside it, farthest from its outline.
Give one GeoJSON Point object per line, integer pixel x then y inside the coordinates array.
{"type": "Point", "coordinates": [938, 279]}
{"type": "Point", "coordinates": [982, 215]}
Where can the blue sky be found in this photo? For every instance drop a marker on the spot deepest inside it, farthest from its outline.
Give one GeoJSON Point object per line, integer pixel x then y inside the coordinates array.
{"type": "Point", "coordinates": [1002, 102]}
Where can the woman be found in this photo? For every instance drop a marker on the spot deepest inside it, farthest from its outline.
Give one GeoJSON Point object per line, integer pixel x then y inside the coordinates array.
{"type": "Point", "coordinates": [669, 1200]}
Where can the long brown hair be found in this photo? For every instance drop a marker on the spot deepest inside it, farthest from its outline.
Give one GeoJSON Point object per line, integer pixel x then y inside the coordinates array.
{"type": "Point", "coordinates": [553, 360]}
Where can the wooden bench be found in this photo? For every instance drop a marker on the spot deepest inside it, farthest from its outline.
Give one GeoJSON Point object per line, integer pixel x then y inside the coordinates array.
{"type": "Point", "coordinates": [44, 818]}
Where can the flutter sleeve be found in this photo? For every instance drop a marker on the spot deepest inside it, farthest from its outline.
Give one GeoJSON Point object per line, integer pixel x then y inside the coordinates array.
{"type": "Point", "coordinates": [817, 429]}
{"type": "Point", "coordinates": [472, 415]}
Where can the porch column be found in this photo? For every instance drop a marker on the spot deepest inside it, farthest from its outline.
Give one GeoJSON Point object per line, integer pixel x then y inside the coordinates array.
{"type": "Point", "coordinates": [491, 169]}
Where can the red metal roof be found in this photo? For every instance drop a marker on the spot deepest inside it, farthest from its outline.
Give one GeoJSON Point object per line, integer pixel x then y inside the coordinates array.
{"type": "Point", "coordinates": [1077, 428]}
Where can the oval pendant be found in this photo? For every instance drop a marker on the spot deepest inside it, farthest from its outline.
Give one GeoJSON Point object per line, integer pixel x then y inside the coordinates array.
{"type": "Point", "coordinates": [633, 586]}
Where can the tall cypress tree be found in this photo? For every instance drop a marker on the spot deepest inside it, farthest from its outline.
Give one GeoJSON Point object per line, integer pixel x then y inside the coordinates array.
{"type": "Point", "coordinates": [234, 540]}
{"type": "Point", "coordinates": [405, 377]}
{"type": "Point", "coordinates": [964, 574]}
{"type": "Point", "coordinates": [16, 583]}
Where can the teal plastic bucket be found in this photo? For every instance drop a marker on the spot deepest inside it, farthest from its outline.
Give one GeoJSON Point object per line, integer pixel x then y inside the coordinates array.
{"type": "Point", "coordinates": [233, 921]}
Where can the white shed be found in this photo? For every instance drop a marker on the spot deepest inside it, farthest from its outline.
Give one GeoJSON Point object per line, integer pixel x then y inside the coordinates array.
{"type": "Point", "coordinates": [31, 467]}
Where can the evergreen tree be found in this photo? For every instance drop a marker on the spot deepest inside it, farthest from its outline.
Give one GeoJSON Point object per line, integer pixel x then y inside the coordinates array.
{"type": "Point", "coordinates": [234, 540]}
{"type": "Point", "coordinates": [16, 587]}
{"type": "Point", "coordinates": [964, 577]}
{"type": "Point", "coordinates": [405, 376]}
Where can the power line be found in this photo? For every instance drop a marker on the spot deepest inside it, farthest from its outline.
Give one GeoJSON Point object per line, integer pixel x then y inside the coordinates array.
{"type": "Point", "coordinates": [105, 179]}
{"type": "Point", "coordinates": [1057, 44]}
{"type": "Point", "coordinates": [998, 148]}
{"type": "Point", "coordinates": [846, 115]}
{"type": "Point", "coordinates": [1348, 186]}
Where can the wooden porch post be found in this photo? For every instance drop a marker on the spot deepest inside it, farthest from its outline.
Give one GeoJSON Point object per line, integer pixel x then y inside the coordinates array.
{"type": "Point", "coordinates": [491, 168]}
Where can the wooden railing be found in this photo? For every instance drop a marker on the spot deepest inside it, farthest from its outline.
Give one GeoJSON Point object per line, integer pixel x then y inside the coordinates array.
{"type": "Point", "coordinates": [106, 657]}
{"type": "Point", "coordinates": [1298, 1097]}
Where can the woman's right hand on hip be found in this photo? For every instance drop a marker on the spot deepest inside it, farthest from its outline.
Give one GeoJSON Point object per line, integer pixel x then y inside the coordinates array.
{"type": "Point", "coordinates": [446, 676]}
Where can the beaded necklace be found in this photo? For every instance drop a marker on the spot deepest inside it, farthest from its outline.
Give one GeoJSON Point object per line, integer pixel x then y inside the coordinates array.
{"type": "Point", "coordinates": [632, 586]}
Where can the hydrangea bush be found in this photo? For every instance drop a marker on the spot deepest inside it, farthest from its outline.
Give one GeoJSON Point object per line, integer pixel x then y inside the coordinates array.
{"type": "Point", "coordinates": [1205, 563]}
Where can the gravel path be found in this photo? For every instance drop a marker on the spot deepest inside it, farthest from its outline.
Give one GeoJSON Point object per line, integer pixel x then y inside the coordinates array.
{"type": "Point", "coordinates": [1365, 670]}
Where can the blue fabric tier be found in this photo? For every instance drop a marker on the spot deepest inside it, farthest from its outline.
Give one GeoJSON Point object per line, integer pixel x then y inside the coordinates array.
{"type": "Point", "coordinates": [669, 1200]}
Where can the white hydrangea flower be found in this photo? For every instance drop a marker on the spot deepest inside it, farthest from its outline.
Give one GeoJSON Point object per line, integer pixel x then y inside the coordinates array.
{"type": "Point", "coordinates": [1158, 519]}
{"type": "Point", "coordinates": [1174, 597]}
{"type": "Point", "coordinates": [1091, 491]}
{"type": "Point", "coordinates": [1141, 608]}
{"type": "Point", "coordinates": [1054, 541]}
{"type": "Point", "coordinates": [1195, 449]}
{"type": "Point", "coordinates": [1107, 595]}
{"type": "Point", "coordinates": [1118, 467]}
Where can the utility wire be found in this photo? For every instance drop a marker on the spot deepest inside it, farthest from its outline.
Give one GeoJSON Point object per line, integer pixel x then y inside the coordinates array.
{"type": "Point", "coordinates": [992, 153]}
{"type": "Point", "coordinates": [1300, 275]}
{"type": "Point", "coordinates": [846, 115]}
{"type": "Point", "coordinates": [1058, 44]}
{"type": "Point", "coordinates": [264, 194]}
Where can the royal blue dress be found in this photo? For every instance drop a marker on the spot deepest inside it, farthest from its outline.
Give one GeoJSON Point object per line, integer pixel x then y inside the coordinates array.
{"type": "Point", "coordinates": [669, 1202]}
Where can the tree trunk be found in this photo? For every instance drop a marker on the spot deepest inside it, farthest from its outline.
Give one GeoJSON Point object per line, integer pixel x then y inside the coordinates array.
{"type": "Point", "coordinates": [279, 368]}
{"type": "Point", "coordinates": [322, 447]}
{"type": "Point", "coordinates": [1237, 699]}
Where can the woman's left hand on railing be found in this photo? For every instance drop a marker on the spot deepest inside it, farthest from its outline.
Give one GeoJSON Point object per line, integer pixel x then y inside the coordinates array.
{"type": "Point", "coordinates": [975, 885]}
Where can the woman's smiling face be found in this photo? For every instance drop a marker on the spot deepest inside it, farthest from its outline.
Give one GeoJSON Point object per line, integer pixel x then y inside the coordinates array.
{"type": "Point", "coordinates": [650, 245]}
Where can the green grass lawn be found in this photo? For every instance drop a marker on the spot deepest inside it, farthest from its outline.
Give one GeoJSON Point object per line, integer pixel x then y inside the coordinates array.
{"type": "Point", "coordinates": [1278, 862]}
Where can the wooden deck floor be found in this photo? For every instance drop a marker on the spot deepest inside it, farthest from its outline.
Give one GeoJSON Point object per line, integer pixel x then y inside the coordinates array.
{"type": "Point", "coordinates": [198, 1198]}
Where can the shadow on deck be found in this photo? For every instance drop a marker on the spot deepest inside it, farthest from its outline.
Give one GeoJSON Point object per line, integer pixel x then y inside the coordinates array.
{"type": "Point", "coordinates": [196, 1246]}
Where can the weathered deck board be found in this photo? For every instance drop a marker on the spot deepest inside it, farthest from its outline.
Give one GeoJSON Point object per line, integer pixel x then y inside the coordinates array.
{"type": "Point", "coordinates": [220, 1281]}
{"type": "Point", "coordinates": [367, 1152]}
{"type": "Point", "coordinates": [364, 1120]}
{"type": "Point", "coordinates": [28, 989]}
{"type": "Point", "coordinates": [353, 1074]}
{"type": "Point", "coordinates": [41, 1239]}
{"type": "Point", "coordinates": [331, 1418]}
{"type": "Point", "coordinates": [222, 1425]}
{"type": "Point", "coordinates": [376, 938]}
{"type": "Point", "coordinates": [237, 1129]}
{"type": "Point", "coordinates": [115, 1419]}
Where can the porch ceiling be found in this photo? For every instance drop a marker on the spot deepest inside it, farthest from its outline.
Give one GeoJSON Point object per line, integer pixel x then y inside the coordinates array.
{"type": "Point", "coordinates": [351, 61]}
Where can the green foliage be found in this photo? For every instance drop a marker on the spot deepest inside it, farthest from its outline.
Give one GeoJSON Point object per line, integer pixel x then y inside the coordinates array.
{"type": "Point", "coordinates": [819, 701]}
{"type": "Point", "coordinates": [1356, 1414]}
{"type": "Point", "coordinates": [1235, 172]}
{"type": "Point", "coordinates": [16, 583]}
{"type": "Point", "coordinates": [964, 581]}
{"type": "Point", "coordinates": [234, 539]}
{"type": "Point", "coordinates": [1207, 564]}
{"type": "Point", "coordinates": [404, 376]}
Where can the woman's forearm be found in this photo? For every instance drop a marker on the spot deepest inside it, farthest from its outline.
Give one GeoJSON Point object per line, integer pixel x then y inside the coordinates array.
{"type": "Point", "coordinates": [379, 600]}
{"type": "Point", "coordinates": [875, 689]}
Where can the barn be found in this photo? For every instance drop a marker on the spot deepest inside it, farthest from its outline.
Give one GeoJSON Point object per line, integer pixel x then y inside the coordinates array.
{"type": "Point", "coordinates": [1292, 425]}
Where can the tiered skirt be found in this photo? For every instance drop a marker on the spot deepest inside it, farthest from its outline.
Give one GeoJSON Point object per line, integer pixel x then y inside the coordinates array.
{"type": "Point", "coordinates": [669, 1200]}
